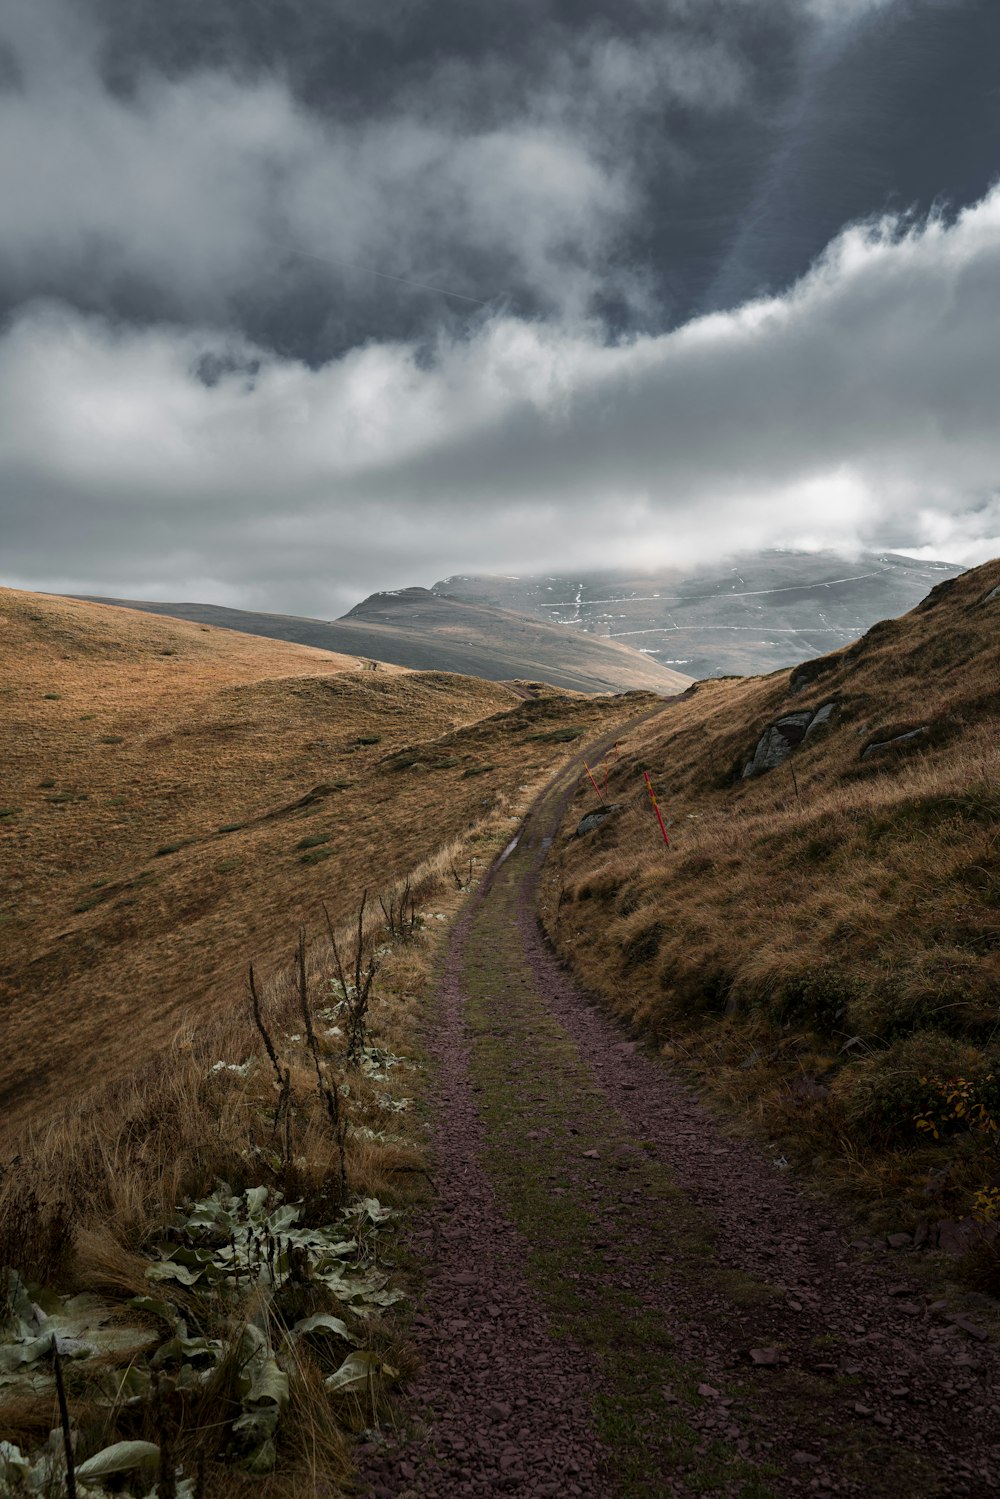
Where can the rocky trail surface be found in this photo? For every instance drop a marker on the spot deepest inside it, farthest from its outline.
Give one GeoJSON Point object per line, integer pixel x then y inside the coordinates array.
{"type": "Point", "coordinates": [621, 1299]}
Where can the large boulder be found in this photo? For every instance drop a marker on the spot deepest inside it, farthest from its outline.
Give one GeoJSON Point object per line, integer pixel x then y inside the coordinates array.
{"type": "Point", "coordinates": [777, 742]}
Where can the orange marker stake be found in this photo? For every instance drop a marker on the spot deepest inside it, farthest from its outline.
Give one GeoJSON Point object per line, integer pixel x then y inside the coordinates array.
{"type": "Point", "coordinates": [656, 807]}
{"type": "Point", "coordinates": [592, 781]}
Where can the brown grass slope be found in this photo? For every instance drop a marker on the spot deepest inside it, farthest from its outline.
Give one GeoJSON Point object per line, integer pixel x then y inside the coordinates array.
{"type": "Point", "coordinates": [175, 800]}
{"type": "Point", "coordinates": [820, 938]}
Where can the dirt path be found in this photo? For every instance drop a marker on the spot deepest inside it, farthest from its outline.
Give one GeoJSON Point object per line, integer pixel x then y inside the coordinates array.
{"type": "Point", "coordinates": [622, 1300]}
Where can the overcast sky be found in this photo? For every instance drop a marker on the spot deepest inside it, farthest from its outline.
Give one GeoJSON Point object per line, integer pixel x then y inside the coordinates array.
{"type": "Point", "coordinates": [298, 301]}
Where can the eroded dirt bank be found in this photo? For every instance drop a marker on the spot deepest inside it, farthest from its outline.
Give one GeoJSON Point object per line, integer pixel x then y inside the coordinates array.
{"type": "Point", "coordinates": [622, 1300]}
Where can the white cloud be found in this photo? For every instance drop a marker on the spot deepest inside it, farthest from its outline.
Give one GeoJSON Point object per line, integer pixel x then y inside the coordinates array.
{"type": "Point", "coordinates": [859, 408]}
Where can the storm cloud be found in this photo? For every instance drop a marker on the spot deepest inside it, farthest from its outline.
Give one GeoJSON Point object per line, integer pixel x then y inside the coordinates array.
{"type": "Point", "coordinates": [698, 271]}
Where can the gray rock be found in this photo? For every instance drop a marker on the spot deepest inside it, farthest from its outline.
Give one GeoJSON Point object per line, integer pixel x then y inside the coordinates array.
{"type": "Point", "coordinates": [994, 594]}
{"type": "Point", "coordinates": [594, 819]}
{"type": "Point", "coordinates": [820, 717]}
{"type": "Point", "coordinates": [776, 743]}
{"type": "Point", "coordinates": [896, 743]}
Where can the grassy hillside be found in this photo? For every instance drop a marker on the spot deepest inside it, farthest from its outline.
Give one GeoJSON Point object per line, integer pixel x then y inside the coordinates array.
{"type": "Point", "coordinates": [176, 799]}
{"type": "Point", "coordinates": [417, 629]}
{"type": "Point", "coordinates": [822, 938]}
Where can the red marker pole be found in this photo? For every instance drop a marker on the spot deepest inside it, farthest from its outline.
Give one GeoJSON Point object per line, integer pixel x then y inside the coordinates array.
{"type": "Point", "coordinates": [592, 781]}
{"type": "Point", "coordinates": [656, 808]}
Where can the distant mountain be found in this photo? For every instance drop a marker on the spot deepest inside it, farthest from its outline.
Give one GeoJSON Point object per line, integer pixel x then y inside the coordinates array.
{"type": "Point", "coordinates": [751, 614]}
{"type": "Point", "coordinates": [429, 632]}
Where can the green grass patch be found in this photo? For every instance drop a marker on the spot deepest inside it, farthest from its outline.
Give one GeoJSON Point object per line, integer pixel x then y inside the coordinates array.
{"type": "Point", "coordinates": [52, 697]}
{"type": "Point", "coordinates": [231, 827]}
{"type": "Point", "coordinates": [167, 848]}
{"type": "Point", "coordinates": [315, 855]}
{"type": "Point", "coordinates": [476, 770]}
{"type": "Point", "coordinates": [226, 866]}
{"type": "Point", "coordinates": [368, 739]}
{"type": "Point", "coordinates": [313, 841]}
{"type": "Point", "coordinates": [556, 736]}
{"type": "Point", "coordinates": [404, 761]}
{"type": "Point", "coordinates": [112, 739]}
{"type": "Point", "coordinates": [544, 1111]}
{"type": "Point", "coordinates": [8, 812]}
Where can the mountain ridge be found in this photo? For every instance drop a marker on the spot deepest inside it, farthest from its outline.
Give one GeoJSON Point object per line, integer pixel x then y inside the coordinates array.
{"type": "Point", "coordinates": [424, 631]}
{"type": "Point", "coordinates": [750, 613]}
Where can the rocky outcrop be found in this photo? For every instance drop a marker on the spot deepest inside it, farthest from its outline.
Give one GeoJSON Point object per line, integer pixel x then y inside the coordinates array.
{"type": "Point", "coordinates": [994, 594]}
{"type": "Point", "coordinates": [777, 742]}
{"type": "Point", "coordinates": [897, 742]}
{"type": "Point", "coordinates": [595, 819]}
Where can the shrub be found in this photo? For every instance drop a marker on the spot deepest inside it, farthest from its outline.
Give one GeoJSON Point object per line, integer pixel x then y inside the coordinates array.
{"type": "Point", "coordinates": [313, 841]}
{"type": "Point", "coordinates": [817, 998]}
{"type": "Point", "coordinates": [884, 1095]}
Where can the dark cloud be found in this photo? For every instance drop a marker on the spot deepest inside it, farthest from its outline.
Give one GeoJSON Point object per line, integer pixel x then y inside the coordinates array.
{"type": "Point", "coordinates": [190, 404]}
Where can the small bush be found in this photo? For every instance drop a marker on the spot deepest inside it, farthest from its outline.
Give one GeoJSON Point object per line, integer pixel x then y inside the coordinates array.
{"type": "Point", "coordinates": [52, 697]}
{"type": "Point", "coordinates": [817, 999]}
{"type": "Point", "coordinates": [168, 848]}
{"type": "Point", "coordinates": [883, 1096]}
{"type": "Point", "coordinates": [313, 841]}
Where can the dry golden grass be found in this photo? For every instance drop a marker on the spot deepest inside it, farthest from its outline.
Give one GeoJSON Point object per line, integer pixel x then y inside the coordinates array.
{"type": "Point", "coordinates": [860, 899]}
{"type": "Point", "coordinates": [204, 806]}
{"type": "Point", "coordinates": [103, 1183]}
{"type": "Point", "coordinates": [178, 799]}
